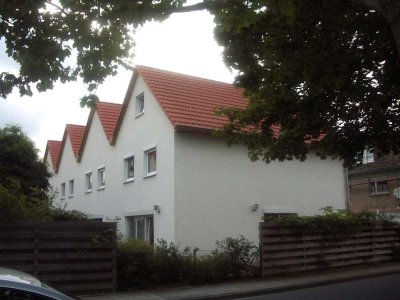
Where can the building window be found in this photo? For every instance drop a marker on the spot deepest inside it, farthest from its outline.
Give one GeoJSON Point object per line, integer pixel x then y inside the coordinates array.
{"type": "Point", "coordinates": [368, 156]}
{"type": "Point", "coordinates": [379, 187]}
{"type": "Point", "coordinates": [129, 168]}
{"type": "Point", "coordinates": [150, 162]}
{"type": "Point", "coordinates": [71, 188]}
{"type": "Point", "coordinates": [101, 178]}
{"type": "Point", "coordinates": [140, 104]}
{"type": "Point", "coordinates": [141, 228]}
{"type": "Point", "coordinates": [88, 182]}
{"type": "Point", "coordinates": [63, 190]}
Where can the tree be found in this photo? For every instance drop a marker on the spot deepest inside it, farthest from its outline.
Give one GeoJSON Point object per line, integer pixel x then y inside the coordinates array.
{"type": "Point", "coordinates": [317, 68]}
{"type": "Point", "coordinates": [24, 177]}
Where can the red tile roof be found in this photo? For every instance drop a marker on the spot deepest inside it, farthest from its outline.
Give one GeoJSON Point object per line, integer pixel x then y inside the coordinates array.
{"type": "Point", "coordinates": [75, 133]}
{"type": "Point", "coordinates": [108, 114]}
{"type": "Point", "coordinates": [53, 147]}
{"type": "Point", "coordinates": [191, 102]}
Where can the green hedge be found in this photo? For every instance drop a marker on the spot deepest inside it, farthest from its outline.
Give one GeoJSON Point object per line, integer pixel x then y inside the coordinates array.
{"type": "Point", "coordinates": [140, 264]}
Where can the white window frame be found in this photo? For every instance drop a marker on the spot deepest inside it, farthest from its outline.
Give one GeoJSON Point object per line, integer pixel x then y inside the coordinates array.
{"type": "Point", "coordinates": [71, 188]}
{"type": "Point", "coordinates": [62, 190]}
{"type": "Point", "coordinates": [146, 162]}
{"type": "Point", "coordinates": [88, 179]}
{"type": "Point", "coordinates": [139, 107]}
{"type": "Point", "coordinates": [148, 227]}
{"type": "Point", "coordinates": [368, 156]}
{"type": "Point", "coordinates": [100, 184]}
{"type": "Point", "coordinates": [126, 168]}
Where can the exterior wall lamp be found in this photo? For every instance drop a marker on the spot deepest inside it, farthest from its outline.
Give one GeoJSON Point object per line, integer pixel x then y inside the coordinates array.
{"type": "Point", "coordinates": [157, 208]}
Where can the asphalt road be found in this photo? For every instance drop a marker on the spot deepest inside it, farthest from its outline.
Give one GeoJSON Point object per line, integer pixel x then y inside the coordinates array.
{"type": "Point", "coordinates": [379, 288]}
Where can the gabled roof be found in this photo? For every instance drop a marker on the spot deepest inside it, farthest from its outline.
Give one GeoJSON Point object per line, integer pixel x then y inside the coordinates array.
{"type": "Point", "coordinates": [189, 102]}
{"type": "Point", "coordinates": [108, 114]}
{"type": "Point", "coordinates": [75, 133]}
{"type": "Point", "coordinates": [53, 147]}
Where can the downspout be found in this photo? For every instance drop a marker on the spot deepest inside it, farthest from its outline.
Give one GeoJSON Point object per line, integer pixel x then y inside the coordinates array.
{"type": "Point", "coordinates": [348, 204]}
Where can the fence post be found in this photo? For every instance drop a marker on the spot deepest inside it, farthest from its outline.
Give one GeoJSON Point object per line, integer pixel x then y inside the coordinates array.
{"type": "Point", "coordinates": [36, 250]}
{"type": "Point", "coordinates": [195, 249]}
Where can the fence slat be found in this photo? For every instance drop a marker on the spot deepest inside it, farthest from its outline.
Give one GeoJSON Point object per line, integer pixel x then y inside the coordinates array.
{"type": "Point", "coordinates": [68, 254]}
{"type": "Point", "coordinates": [286, 251]}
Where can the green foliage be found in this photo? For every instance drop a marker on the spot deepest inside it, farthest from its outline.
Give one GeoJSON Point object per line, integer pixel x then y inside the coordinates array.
{"type": "Point", "coordinates": [313, 67]}
{"type": "Point", "coordinates": [59, 214]}
{"type": "Point", "coordinates": [237, 254]}
{"type": "Point", "coordinates": [140, 264]}
{"type": "Point", "coordinates": [331, 222]}
{"type": "Point", "coordinates": [171, 264]}
{"type": "Point", "coordinates": [23, 178]}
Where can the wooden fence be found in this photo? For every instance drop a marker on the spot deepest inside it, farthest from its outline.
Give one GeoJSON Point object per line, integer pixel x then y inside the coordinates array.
{"type": "Point", "coordinates": [71, 256]}
{"type": "Point", "coordinates": [284, 251]}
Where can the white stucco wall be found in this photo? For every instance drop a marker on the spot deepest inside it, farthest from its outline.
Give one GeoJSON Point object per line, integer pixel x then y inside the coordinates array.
{"type": "Point", "coordinates": [216, 187]}
{"type": "Point", "coordinates": [120, 199]}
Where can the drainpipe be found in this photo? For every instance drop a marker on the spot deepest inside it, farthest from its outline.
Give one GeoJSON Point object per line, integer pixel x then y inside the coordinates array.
{"type": "Point", "coordinates": [348, 204]}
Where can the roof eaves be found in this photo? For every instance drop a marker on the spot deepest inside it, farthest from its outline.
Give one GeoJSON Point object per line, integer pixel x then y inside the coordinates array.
{"type": "Point", "coordinates": [85, 135]}
{"type": "Point", "coordinates": [124, 106]}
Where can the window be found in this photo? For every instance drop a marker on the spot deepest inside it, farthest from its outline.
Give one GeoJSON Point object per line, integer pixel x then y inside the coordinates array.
{"type": "Point", "coordinates": [379, 187]}
{"type": "Point", "coordinates": [140, 104]}
{"type": "Point", "coordinates": [88, 182]}
{"type": "Point", "coordinates": [101, 177]}
{"type": "Point", "coordinates": [368, 156]}
{"type": "Point", "coordinates": [150, 162]}
{"type": "Point", "coordinates": [63, 190]}
{"type": "Point", "coordinates": [129, 168]}
{"type": "Point", "coordinates": [141, 228]}
{"type": "Point", "coordinates": [71, 188]}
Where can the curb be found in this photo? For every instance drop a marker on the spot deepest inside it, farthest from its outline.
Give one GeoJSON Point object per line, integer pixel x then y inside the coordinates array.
{"type": "Point", "coordinates": [297, 286]}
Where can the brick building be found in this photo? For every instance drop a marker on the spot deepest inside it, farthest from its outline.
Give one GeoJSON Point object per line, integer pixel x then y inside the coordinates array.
{"type": "Point", "coordinates": [375, 184]}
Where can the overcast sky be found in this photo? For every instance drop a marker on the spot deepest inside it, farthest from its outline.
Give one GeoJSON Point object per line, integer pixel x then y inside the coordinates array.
{"type": "Point", "coordinates": [184, 43]}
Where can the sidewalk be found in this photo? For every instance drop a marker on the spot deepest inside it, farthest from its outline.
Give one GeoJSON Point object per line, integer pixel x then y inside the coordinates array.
{"type": "Point", "coordinates": [252, 287]}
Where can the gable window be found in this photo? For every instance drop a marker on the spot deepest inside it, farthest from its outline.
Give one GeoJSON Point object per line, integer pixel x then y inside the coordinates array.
{"type": "Point", "coordinates": [63, 190]}
{"type": "Point", "coordinates": [129, 163]}
{"type": "Point", "coordinates": [71, 188]}
{"type": "Point", "coordinates": [141, 228]}
{"type": "Point", "coordinates": [378, 187]}
{"type": "Point", "coordinates": [140, 104]}
{"type": "Point", "coordinates": [101, 178]}
{"type": "Point", "coordinates": [150, 159]}
{"type": "Point", "coordinates": [88, 182]}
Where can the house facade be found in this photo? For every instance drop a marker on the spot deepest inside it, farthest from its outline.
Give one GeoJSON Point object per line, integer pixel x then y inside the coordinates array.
{"type": "Point", "coordinates": [153, 164]}
{"type": "Point", "coordinates": [375, 185]}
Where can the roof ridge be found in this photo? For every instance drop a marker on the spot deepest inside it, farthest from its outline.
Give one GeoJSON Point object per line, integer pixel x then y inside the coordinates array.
{"type": "Point", "coordinates": [106, 102]}
{"type": "Point", "coordinates": [184, 75]}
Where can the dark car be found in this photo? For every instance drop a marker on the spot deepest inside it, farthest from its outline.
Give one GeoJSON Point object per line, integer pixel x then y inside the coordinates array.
{"type": "Point", "coordinates": [19, 285]}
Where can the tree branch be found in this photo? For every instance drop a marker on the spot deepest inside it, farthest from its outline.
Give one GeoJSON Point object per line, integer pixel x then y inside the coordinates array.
{"type": "Point", "coordinates": [206, 4]}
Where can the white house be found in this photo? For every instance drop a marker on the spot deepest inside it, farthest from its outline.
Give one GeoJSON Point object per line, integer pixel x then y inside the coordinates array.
{"type": "Point", "coordinates": [153, 163]}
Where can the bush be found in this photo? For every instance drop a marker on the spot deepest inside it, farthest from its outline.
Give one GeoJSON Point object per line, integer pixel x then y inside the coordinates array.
{"type": "Point", "coordinates": [171, 264]}
{"type": "Point", "coordinates": [332, 222]}
{"type": "Point", "coordinates": [140, 264]}
{"type": "Point", "coordinates": [235, 255]}
{"type": "Point", "coordinates": [58, 214]}
{"type": "Point", "coordinates": [135, 263]}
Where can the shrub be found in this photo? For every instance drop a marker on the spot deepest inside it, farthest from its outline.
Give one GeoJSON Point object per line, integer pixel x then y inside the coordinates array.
{"type": "Point", "coordinates": [332, 222]}
{"type": "Point", "coordinates": [171, 264]}
{"type": "Point", "coordinates": [135, 263]}
{"type": "Point", "coordinates": [235, 256]}
{"type": "Point", "coordinates": [59, 214]}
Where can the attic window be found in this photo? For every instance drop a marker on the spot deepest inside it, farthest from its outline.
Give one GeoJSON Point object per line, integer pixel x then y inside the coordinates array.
{"type": "Point", "coordinates": [140, 104]}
